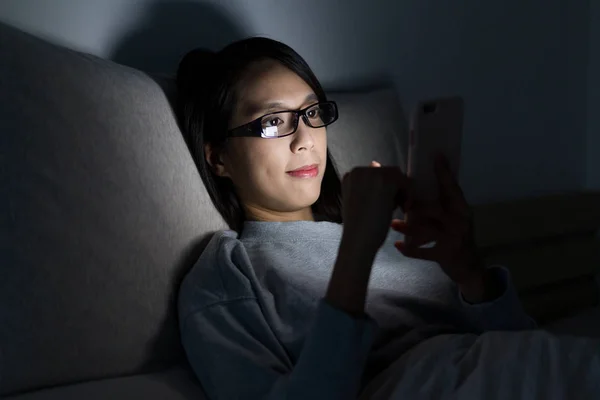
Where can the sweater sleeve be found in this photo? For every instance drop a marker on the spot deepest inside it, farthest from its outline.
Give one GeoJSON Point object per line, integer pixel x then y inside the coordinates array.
{"type": "Point", "coordinates": [504, 313]}
{"type": "Point", "coordinates": [235, 354]}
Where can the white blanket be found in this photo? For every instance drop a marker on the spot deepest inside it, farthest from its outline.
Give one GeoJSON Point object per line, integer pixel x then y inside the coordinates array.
{"type": "Point", "coordinates": [496, 365]}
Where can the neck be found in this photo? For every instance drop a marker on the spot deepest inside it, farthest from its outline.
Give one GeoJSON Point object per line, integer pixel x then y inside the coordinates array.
{"type": "Point", "coordinates": [254, 213]}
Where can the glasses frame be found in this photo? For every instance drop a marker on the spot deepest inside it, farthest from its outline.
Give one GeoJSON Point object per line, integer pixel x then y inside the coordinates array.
{"type": "Point", "coordinates": [254, 128]}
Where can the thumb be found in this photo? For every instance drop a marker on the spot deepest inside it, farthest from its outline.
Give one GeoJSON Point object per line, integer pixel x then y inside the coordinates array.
{"type": "Point", "coordinates": [375, 164]}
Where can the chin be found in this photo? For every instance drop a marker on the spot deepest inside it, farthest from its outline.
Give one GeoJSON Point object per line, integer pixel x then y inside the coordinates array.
{"type": "Point", "coordinates": [303, 200]}
{"type": "Point", "coordinates": [304, 193]}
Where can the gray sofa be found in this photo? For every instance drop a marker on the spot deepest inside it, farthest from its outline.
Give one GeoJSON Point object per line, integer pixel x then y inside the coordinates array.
{"type": "Point", "coordinates": [104, 212]}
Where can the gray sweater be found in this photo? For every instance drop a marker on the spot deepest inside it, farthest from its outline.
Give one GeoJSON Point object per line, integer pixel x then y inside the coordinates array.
{"type": "Point", "coordinates": [254, 324]}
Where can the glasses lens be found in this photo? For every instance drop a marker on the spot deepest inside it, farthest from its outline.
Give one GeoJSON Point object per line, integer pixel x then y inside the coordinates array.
{"type": "Point", "coordinates": [279, 124]}
{"type": "Point", "coordinates": [321, 114]}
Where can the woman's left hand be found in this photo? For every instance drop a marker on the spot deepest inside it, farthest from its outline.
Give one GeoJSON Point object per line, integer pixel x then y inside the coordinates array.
{"type": "Point", "coordinates": [449, 224]}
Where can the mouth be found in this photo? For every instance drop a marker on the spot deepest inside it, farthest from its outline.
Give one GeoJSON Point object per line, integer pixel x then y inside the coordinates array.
{"type": "Point", "coordinates": [307, 171]}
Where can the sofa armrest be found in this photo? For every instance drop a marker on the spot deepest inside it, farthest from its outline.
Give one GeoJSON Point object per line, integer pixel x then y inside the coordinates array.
{"type": "Point", "coordinates": [551, 246]}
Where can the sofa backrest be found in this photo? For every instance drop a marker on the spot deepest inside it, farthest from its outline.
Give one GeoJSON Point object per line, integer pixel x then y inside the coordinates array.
{"type": "Point", "coordinates": [104, 211]}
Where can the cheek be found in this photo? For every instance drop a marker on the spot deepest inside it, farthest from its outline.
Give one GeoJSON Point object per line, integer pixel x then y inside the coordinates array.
{"type": "Point", "coordinates": [239, 162]}
{"type": "Point", "coordinates": [323, 145]}
{"type": "Point", "coordinates": [257, 165]}
{"type": "Point", "coordinates": [268, 165]}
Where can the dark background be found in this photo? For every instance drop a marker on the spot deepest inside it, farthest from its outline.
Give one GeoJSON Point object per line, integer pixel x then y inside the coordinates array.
{"type": "Point", "coordinates": [528, 69]}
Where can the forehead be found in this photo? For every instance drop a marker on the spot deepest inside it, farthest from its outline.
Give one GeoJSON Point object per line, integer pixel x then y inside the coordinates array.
{"type": "Point", "coordinates": [267, 82]}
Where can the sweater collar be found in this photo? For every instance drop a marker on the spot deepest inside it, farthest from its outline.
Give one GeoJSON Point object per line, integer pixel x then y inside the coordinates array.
{"type": "Point", "coordinates": [294, 230]}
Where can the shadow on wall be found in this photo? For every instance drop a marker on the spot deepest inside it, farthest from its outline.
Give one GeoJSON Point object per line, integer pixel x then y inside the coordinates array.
{"type": "Point", "coordinates": [169, 29]}
{"type": "Point", "coordinates": [165, 33]}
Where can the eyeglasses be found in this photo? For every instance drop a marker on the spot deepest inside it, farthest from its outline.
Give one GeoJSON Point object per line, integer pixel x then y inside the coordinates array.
{"type": "Point", "coordinates": [284, 123]}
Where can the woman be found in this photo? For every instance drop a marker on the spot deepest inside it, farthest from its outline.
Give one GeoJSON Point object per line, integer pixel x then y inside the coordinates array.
{"type": "Point", "coordinates": [291, 303]}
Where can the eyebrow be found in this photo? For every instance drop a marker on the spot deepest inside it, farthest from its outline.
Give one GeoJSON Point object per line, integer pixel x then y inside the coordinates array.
{"type": "Point", "coordinates": [255, 109]}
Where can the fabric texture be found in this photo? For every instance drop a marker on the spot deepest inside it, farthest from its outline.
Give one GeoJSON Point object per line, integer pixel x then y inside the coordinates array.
{"type": "Point", "coordinates": [252, 307]}
{"type": "Point", "coordinates": [103, 213]}
{"type": "Point", "coordinates": [519, 234]}
{"type": "Point", "coordinates": [524, 221]}
{"type": "Point", "coordinates": [526, 365]}
{"type": "Point", "coordinates": [536, 248]}
{"type": "Point", "coordinates": [553, 302]}
{"type": "Point", "coordinates": [371, 127]}
{"type": "Point", "coordinates": [173, 384]}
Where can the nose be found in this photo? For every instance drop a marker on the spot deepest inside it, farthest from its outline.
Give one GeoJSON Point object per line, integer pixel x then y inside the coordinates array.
{"type": "Point", "coordinates": [302, 138]}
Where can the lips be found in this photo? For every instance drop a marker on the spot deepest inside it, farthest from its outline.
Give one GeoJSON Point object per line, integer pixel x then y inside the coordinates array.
{"type": "Point", "coordinates": [307, 171]}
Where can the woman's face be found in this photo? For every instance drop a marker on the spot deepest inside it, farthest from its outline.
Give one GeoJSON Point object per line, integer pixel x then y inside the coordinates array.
{"type": "Point", "coordinates": [261, 168]}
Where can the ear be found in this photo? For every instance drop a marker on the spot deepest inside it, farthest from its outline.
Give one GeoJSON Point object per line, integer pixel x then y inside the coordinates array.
{"type": "Point", "coordinates": [214, 158]}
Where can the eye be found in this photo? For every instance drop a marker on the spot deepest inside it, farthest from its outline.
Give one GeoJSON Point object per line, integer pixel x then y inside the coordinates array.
{"type": "Point", "coordinates": [313, 113]}
{"type": "Point", "coordinates": [272, 121]}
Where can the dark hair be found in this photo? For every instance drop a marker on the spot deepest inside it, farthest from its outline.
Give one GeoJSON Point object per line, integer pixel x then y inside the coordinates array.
{"type": "Point", "coordinates": [207, 84]}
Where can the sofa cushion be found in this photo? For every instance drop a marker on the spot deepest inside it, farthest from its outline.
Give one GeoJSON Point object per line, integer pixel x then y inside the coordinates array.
{"type": "Point", "coordinates": [537, 237]}
{"type": "Point", "coordinates": [523, 221]}
{"type": "Point", "coordinates": [172, 384]}
{"type": "Point", "coordinates": [105, 211]}
{"type": "Point", "coordinates": [549, 245]}
{"type": "Point", "coordinates": [371, 127]}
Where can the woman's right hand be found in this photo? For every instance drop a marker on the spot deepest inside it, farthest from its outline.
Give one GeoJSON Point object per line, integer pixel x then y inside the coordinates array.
{"type": "Point", "coordinates": [369, 197]}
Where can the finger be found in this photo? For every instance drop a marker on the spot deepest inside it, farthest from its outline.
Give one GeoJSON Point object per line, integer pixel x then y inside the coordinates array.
{"type": "Point", "coordinates": [430, 214]}
{"type": "Point", "coordinates": [445, 176]}
{"type": "Point", "coordinates": [404, 189]}
{"type": "Point", "coordinates": [417, 240]}
{"type": "Point", "coordinates": [428, 211]}
{"type": "Point", "coordinates": [417, 235]}
{"type": "Point", "coordinates": [451, 195]}
{"type": "Point", "coordinates": [400, 226]}
{"type": "Point", "coordinates": [429, 254]}
{"type": "Point", "coordinates": [398, 222]}
{"type": "Point", "coordinates": [398, 181]}
{"type": "Point", "coordinates": [408, 200]}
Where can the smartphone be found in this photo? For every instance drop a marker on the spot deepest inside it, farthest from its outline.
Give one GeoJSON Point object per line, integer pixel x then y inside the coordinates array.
{"type": "Point", "coordinates": [436, 127]}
